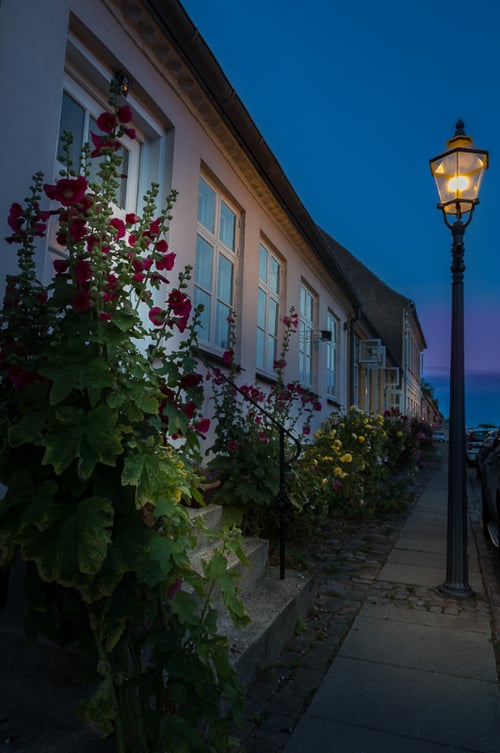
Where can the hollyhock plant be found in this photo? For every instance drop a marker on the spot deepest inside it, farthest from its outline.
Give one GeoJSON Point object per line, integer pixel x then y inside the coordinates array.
{"type": "Point", "coordinates": [100, 429]}
{"type": "Point", "coordinates": [246, 448]}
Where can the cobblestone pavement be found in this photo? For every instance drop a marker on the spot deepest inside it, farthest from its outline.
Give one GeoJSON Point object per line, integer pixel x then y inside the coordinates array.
{"type": "Point", "coordinates": [346, 560]}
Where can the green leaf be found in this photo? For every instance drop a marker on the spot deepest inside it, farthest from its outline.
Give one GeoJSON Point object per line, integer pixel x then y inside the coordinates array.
{"type": "Point", "coordinates": [91, 436]}
{"type": "Point", "coordinates": [75, 543]}
{"type": "Point", "coordinates": [29, 428]}
{"type": "Point", "coordinates": [99, 710]}
{"type": "Point", "coordinates": [72, 371]}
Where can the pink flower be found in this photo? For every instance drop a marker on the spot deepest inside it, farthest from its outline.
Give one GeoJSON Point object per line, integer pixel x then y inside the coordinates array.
{"type": "Point", "coordinates": [106, 122]}
{"type": "Point", "coordinates": [232, 445]}
{"type": "Point", "coordinates": [263, 437]}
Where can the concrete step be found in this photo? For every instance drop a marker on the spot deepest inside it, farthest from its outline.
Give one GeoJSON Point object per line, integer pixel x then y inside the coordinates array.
{"type": "Point", "coordinates": [257, 553]}
{"type": "Point", "coordinates": [274, 606]}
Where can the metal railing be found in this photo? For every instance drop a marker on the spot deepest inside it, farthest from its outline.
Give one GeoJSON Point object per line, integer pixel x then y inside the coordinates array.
{"type": "Point", "coordinates": [284, 462]}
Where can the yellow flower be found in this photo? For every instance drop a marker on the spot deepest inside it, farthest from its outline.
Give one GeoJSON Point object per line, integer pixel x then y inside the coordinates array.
{"type": "Point", "coordinates": [337, 444]}
{"type": "Point", "coordinates": [400, 433]}
{"type": "Point", "coordinates": [354, 436]}
{"type": "Point", "coordinates": [347, 458]}
{"type": "Point", "coordinates": [327, 459]}
{"type": "Point", "coordinates": [339, 472]}
{"type": "Point", "coordinates": [324, 481]}
{"type": "Point", "coordinates": [314, 461]}
{"type": "Point", "coordinates": [361, 439]}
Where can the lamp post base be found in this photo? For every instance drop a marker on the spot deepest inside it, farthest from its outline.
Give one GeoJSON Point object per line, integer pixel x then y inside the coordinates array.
{"type": "Point", "coordinates": [460, 591]}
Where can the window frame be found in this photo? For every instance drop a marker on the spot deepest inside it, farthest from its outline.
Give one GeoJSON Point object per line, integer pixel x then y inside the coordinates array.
{"type": "Point", "coordinates": [218, 331]}
{"type": "Point", "coordinates": [270, 296]}
{"type": "Point", "coordinates": [332, 346]}
{"type": "Point", "coordinates": [306, 335]}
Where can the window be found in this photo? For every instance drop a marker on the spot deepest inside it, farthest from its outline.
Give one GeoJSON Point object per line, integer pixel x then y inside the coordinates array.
{"type": "Point", "coordinates": [79, 112]}
{"type": "Point", "coordinates": [215, 265]}
{"type": "Point", "coordinates": [268, 309]}
{"type": "Point", "coordinates": [332, 326]}
{"type": "Point", "coordinates": [306, 328]}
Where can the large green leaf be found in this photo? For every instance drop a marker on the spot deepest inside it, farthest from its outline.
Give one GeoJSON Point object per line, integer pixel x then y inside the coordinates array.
{"type": "Point", "coordinates": [29, 428]}
{"type": "Point", "coordinates": [92, 436]}
{"type": "Point", "coordinates": [99, 710]}
{"type": "Point", "coordinates": [77, 371]}
{"type": "Point", "coordinates": [75, 543]}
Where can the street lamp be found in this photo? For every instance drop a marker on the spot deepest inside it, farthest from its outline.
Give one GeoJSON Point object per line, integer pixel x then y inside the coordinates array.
{"type": "Point", "coordinates": [458, 173]}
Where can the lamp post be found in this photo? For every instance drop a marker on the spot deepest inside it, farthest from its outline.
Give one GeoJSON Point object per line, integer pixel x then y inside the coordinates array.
{"type": "Point", "coordinates": [458, 173]}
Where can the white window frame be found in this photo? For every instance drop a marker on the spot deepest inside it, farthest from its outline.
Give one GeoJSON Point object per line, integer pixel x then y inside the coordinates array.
{"type": "Point", "coordinates": [268, 298]}
{"type": "Point", "coordinates": [218, 305]}
{"type": "Point", "coordinates": [93, 104]}
{"type": "Point", "coordinates": [333, 326]}
{"type": "Point", "coordinates": [307, 320]}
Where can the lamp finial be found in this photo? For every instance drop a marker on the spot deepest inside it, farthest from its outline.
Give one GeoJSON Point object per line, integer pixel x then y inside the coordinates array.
{"type": "Point", "coordinates": [460, 128]}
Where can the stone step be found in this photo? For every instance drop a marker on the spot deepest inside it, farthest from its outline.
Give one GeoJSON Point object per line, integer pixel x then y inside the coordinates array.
{"type": "Point", "coordinates": [257, 553]}
{"type": "Point", "coordinates": [274, 606]}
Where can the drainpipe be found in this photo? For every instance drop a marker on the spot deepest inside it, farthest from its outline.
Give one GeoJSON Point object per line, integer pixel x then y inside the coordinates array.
{"type": "Point", "coordinates": [352, 349]}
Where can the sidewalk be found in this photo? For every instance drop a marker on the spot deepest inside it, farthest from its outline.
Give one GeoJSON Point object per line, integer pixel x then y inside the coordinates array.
{"type": "Point", "coordinates": [409, 680]}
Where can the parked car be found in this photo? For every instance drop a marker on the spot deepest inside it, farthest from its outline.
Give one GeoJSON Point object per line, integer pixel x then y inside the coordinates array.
{"type": "Point", "coordinates": [473, 441]}
{"type": "Point", "coordinates": [439, 436]}
{"type": "Point", "coordinates": [487, 445]}
{"type": "Point", "coordinates": [490, 494]}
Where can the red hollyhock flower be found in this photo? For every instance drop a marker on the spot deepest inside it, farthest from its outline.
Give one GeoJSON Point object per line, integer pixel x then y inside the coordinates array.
{"type": "Point", "coordinates": [232, 445]}
{"type": "Point", "coordinates": [179, 303]}
{"type": "Point", "coordinates": [156, 316]}
{"type": "Point", "coordinates": [228, 357]}
{"type": "Point", "coordinates": [189, 408]}
{"type": "Point", "coordinates": [16, 218]}
{"type": "Point", "coordinates": [61, 266]}
{"type": "Point", "coordinates": [78, 229]}
{"type": "Point", "coordinates": [119, 226]}
{"type": "Point", "coordinates": [202, 426]}
{"type": "Point", "coordinates": [82, 301]}
{"type": "Point", "coordinates": [102, 143]}
{"type": "Point", "coordinates": [67, 190]}
{"type": "Point", "coordinates": [20, 377]}
{"type": "Point", "coordinates": [83, 272]}
{"type": "Point", "coordinates": [106, 122]}
{"type": "Point", "coordinates": [166, 262]}
{"type": "Point", "coordinates": [131, 218]}
{"type": "Point", "coordinates": [191, 380]}
{"type": "Point", "coordinates": [124, 114]}
{"type": "Point", "coordinates": [131, 133]}
{"type": "Point", "coordinates": [154, 228]}
{"type": "Point", "coordinates": [161, 246]}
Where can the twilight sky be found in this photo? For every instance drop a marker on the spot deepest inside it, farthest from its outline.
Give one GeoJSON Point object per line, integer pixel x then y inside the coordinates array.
{"type": "Point", "coordinates": [353, 100]}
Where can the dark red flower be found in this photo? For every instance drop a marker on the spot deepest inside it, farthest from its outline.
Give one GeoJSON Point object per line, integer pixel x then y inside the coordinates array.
{"type": "Point", "coordinates": [157, 316]}
{"type": "Point", "coordinates": [61, 266]}
{"type": "Point", "coordinates": [131, 218]}
{"type": "Point", "coordinates": [228, 357]}
{"type": "Point", "coordinates": [124, 114]}
{"type": "Point", "coordinates": [119, 226]}
{"type": "Point", "coordinates": [189, 408]}
{"type": "Point", "coordinates": [191, 380]}
{"type": "Point", "coordinates": [83, 272]}
{"type": "Point", "coordinates": [106, 122]}
{"type": "Point", "coordinates": [81, 301]}
{"type": "Point", "coordinates": [166, 262]}
{"type": "Point", "coordinates": [77, 229]}
{"type": "Point", "coordinates": [161, 246]}
{"type": "Point", "coordinates": [202, 426]}
{"type": "Point", "coordinates": [67, 190]}
{"type": "Point", "coordinates": [16, 218]}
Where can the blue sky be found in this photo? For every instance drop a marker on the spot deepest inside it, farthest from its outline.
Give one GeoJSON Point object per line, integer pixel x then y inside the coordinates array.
{"type": "Point", "coordinates": [354, 99]}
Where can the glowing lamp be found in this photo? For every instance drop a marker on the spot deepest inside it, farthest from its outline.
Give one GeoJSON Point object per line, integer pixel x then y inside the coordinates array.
{"type": "Point", "coordinates": [458, 173]}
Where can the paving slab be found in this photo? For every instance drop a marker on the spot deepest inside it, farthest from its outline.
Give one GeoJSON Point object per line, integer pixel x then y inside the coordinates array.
{"type": "Point", "coordinates": [422, 646]}
{"type": "Point", "coordinates": [471, 622]}
{"type": "Point", "coordinates": [441, 709]}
